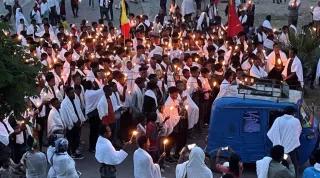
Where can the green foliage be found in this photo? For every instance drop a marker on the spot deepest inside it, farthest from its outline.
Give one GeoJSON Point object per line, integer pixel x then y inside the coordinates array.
{"type": "Point", "coordinates": [307, 44]}
{"type": "Point", "coordinates": [17, 77]}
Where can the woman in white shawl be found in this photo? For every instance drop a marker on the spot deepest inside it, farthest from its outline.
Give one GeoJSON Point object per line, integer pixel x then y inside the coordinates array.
{"type": "Point", "coordinates": [19, 16]}
{"type": "Point", "coordinates": [195, 167]}
{"type": "Point", "coordinates": [62, 164]}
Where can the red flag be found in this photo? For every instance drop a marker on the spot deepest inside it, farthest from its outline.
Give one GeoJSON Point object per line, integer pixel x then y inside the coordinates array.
{"type": "Point", "coordinates": [234, 24]}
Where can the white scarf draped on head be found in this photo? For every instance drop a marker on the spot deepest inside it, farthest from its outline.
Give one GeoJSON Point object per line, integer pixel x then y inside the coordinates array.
{"type": "Point", "coordinates": [68, 113]}
{"type": "Point", "coordinates": [19, 15]}
{"type": "Point", "coordinates": [195, 167]}
{"type": "Point", "coordinates": [151, 94]}
{"type": "Point", "coordinates": [292, 2]}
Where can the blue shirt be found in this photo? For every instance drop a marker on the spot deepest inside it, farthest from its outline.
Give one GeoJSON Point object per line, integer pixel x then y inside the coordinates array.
{"type": "Point", "coordinates": [311, 172]}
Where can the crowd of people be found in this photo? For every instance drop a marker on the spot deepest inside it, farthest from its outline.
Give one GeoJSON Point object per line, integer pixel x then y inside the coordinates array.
{"type": "Point", "coordinates": [155, 88]}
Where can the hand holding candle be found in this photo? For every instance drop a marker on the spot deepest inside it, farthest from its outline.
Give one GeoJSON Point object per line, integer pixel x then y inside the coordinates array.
{"type": "Point", "coordinates": [165, 142]}
{"type": "Point", "coordinates": [134, 134]}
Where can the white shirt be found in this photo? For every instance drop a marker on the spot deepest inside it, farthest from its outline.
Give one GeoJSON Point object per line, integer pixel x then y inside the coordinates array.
{"type": "Point", "coordinates": [107, 154]}
{"type": "Point", "coordinates": [91, 98]}
{"type": "Point", "coordinates": [258, 72]}
{"type": "Point", "coordinates": [187, 7]}
{"type": "Point", "coordinates": [4, 135]}
{"type": "Point", "coordinates": [55, 121]}
{"type": "Point", "coordinates": [44, 8]}
{"type": "Point", "coordinates": [295, 67]}
{"type": "Point", "coordinates": [316, 13]}
{"type": "Point", "coordinates": [285, 131]}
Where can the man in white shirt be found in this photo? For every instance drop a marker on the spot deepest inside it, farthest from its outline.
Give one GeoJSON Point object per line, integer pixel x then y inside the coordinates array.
{"type": "Point", "coordinates": [5, 131]}
{"type": "Point", "coordinates": [91, 98]}
{"type": "Point", "coordinates": [276, 62]}
{"type": "Point", "coordinates": [55, 122]}
{"type": "Point", "coordinates": [44, 9]}
{"type": "Point", "coordinates": [256, 70]}
{"type": "Point", "coordinates": [286, 131]}
{"type": "Point", "coordinates": [142, 161]}
{"type": "Point", "coordinates": [73, 117]}
{"type": "Point", "coordinates": [293, 71]}
{"type": "Point", "coordinates": [106, 154]}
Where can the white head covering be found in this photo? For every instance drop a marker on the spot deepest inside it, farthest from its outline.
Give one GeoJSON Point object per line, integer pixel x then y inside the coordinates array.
{"type": "Point", "coordinates": [267, 24]}
{"type": "Point", "coordinates": [19, 16]}
{"type": "Point", "coordinates": [292, 1]}
{"type": "Point", "coordinates": [196, 166]}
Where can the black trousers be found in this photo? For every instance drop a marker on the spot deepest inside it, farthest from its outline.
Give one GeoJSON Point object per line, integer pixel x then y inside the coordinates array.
{"type": "Point", "coordinates": [9, 9]}
{"type": "Point", "coordinates": [18, 151]}
{"type": "Point", "coordinates": [163, 6]}
{"type": "Point", "coordinates": [104, 13]}
{"type": "Point", "coordinates": [178, 138]}
{"type": "Point", "coordinates": [94, 122]}
{"type": "Point", "coordinates": [295, 160]}
{"type": "Point", "coordinates": [53, 16]}
{"type": "Point", "coordinates": [75, 8]}
{"type": "Point", "coordinates": [42, 133]}
{"type": "Point", "coordinates": [73, 137]}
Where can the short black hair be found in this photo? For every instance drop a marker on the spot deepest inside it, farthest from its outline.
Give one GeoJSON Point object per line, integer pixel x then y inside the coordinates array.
{"type": "Point", "coordinates": [277, 153]}
{"type": "Point", "coordinates": [68, 89]}
{"type": "Point", "coordinates": [152, 116]}
{"type": "Point", "coordinates": [142, 140]}
{"type": "Point", "coordinates": [49, 76]}
{"type": "Point", "coordinates": [173, 90]}
{"type": "Point", "coordinates": [139, 80]}
{"type": "Point", "coordinates": [102, 129]}
{"type": "Point", "coordinates": [289, 110]}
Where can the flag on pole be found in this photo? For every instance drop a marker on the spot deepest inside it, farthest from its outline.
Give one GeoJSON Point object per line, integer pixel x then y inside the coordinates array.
{"type": "Point", "coordinates": [124, 21]}
{"type": "Point", "coordinates": [234, 24]}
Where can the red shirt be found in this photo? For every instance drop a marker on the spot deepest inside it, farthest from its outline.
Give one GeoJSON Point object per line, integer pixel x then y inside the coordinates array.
{"type": "Point", "coordinates": [152, 134]}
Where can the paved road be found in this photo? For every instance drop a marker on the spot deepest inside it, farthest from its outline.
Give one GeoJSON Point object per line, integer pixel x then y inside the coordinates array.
{"type": "Point", "coordinates": [89, 166]}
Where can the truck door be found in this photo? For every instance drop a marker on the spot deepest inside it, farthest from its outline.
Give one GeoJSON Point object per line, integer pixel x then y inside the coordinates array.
{"type": "Point", "coordinates": [253, 130]}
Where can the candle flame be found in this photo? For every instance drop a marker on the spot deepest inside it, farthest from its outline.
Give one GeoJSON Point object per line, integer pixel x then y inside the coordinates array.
{"type": "Point", "coordinates": [165, 141]}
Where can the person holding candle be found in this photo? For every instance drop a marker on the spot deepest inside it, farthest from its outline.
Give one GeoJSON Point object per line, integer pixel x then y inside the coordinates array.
{"type": "Point", "coordinates": [106, 154]}
{"type": "Point", "coordinates": [178, 121]}
{"type": "Point", "coordinates": [293, 71]}
{"type": "Point", "coordinates": [275, 63]}
{"type": "Point", "coordinates": [256, 70]}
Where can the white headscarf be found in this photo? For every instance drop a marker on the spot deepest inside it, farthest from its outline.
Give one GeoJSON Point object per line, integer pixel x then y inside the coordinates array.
{"type": "Point", "coordinates": [195, 167]}
{"type": "Point", "coordinates": [292, 1]}
{"type": "Point", "coordinates": [19, 15]}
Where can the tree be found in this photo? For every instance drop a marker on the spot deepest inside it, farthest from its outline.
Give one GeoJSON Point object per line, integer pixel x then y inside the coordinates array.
{"type": "Point", "coordinates": [307, 43]}
{"type": "Point", "coordinates": [18, 72]}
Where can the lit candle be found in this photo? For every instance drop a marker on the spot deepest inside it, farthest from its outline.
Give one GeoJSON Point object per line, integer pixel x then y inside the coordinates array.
{"type": "Point", "coordinates": [186, 106]}
{"type": "Point", "coordinates": [279, 61]}
{"type": "Point", "coordinates": [134, 133]}
{"type": "Point", "coordinates": [214, 84]}
{"type": "Point", "coordinates": [165, 142]}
